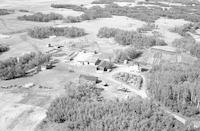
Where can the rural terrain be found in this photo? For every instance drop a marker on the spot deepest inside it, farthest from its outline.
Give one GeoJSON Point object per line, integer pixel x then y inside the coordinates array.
{"type": "Point", "coordinates": [99, 65]}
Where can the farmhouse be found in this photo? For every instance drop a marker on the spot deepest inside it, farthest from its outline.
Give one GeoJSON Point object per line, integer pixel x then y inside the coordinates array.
{"type": "Point", "coordinates": [87, 78]}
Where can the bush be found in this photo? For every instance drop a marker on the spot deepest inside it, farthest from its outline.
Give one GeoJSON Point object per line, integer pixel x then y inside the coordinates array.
{"type": "Point", "coordinates": [3, 48]}
{"type": "Point", "coordinates": [17, 67]}
{"type": "Point", "coordinates": [6, 12]}
{"type": "Point", "coordinates": [45, 32]}
{"type": "Point", "coordinates": [40, 17]}
{"type": "Point", "coordinates": [69, 6]}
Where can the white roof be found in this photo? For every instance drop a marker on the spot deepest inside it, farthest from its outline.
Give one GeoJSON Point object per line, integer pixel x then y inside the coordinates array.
{"type": "Point", "coordinates": [165, 48]}
{"type": "Point", "coordinates": [83, 56]}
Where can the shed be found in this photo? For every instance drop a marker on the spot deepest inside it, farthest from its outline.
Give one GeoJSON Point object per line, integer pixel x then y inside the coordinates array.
{"type": "Point", "coordinates": [88, 78]}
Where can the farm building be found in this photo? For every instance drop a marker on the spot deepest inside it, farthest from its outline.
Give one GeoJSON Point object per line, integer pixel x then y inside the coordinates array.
{"type": "Point", "coordinates": [86, 58]}
{"type": "Point", "coordinates": [164, 49]}
{"type": "Point", "coordinates": [105, 66]}
{"type": "Point", "coordinates": [88, 79]}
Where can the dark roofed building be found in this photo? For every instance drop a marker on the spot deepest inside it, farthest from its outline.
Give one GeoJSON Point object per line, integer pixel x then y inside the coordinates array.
{"type": "Point", "coordinates": [104, 66]}
{"type": "Point", "coordinates": [87, 78]}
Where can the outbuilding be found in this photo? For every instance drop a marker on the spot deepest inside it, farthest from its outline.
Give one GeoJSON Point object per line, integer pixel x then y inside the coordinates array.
{"type": "Point", "coordinates": [88, 78]}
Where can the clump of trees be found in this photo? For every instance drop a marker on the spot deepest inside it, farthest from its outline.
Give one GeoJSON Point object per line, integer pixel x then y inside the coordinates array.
{"type": "Point", "coordinates": [3, 48]}
{"type": "Point", "coordinates": [127, 54]}
{"type": "Point", "coordinates": [17, 67]}
{"type": "Point", "coordinates": [133, 38]}
{"type": "Point", "coordinates": [176, 86]}
{"type": "Point", "coordinates": [80, 111]}
{"type": "Point", "coordinates": [188, 44]}
{"type": "Point", "coordinates": [89, 14]}
{"type": "Point", "coordinates": [195, 50]}
{"type": "Point", "coordinates": [185, 29]}
{"type": "Point", "coordinates": [146, 27]}
{"type": "Point", "coordinates": [106, 32]}
{"type": "Point", "coordinates": [94, 13]}
{"type": "Point", "coordinates": [45, 32]}
{"type": "Point", "coordinates": [40, 17]}
{"type": "Point", "coordinates": [72, 19]}
{"type": "Point", "coordinates": [6, 11]}
{"type": "Point", "coordinates": [69, 6]}
{"type": "Point", "coordinates": [103, 2]}
{"type": "Point", "coordinates": [185, 43]}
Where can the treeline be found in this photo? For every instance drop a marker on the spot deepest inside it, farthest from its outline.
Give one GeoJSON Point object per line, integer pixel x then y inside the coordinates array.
{"type": "Point", "coordinates": [40, 17]}
{"type": "Point", "coordinates": [89, 14]}
{"type": "Point", "coordinates": [69, 6]}
{"type": "Point", "coordinates": [45, 32]}
{"type": "Point", "coordinates": [17, 67]}
{"type": "Point", "coordinates": [6, 11]}
{"type": "Point", "coordinates": [133, 38]}
{"type": "Point", "coordinates": [177, 87]}
{"type": "Point", "coordinates": [79, 110]}
{"type": "Point", "coordinates": [3, 48]}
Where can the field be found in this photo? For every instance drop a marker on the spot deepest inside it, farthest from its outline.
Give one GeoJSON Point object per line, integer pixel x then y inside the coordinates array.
{"type": "Point", "coordinates": [23, 109]}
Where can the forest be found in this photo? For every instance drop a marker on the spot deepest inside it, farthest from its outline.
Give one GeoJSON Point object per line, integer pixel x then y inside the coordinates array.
{"type": "Point", "coordinates": [17, 67]}
{"type": "Point", "coordinates": [45, 32]}
{"type": "Point", "coordinates": [176, 86]}
{"type": "Point", "coordinates": [188, 12]}
{"type": "Point", "coordinates": [40, 17]}
{"type": "Point", "coordinates": [133, 38]}
{"type": "Point", "coordinates": [80, 110]}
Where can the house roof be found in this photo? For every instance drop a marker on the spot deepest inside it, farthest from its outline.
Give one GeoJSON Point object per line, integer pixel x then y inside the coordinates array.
{"type": "Point", "coordinates": [88, 77]}
{"type": "Point", "coordinates": [165, 48]}
{"type": "Point", "coordinates": [105, 64]}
